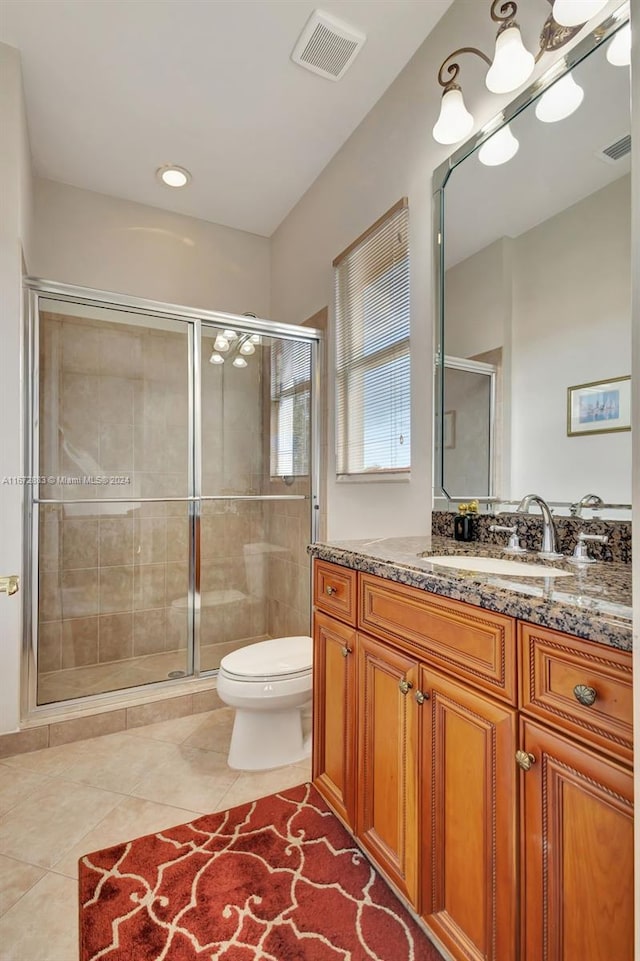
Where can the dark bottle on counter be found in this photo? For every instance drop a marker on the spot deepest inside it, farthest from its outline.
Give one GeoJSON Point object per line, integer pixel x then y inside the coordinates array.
{"type": "Point", "coordinates": [464, 524]}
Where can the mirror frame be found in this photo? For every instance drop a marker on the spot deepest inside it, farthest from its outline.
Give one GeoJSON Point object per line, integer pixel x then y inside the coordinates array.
{"type": "Point", "coordinates": [600, 35]}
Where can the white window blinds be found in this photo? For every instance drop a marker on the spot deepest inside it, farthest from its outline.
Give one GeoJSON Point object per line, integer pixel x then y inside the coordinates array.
{"type": "Point", "coordinates": [373, 423]}
{"type": "Point", "coordinates": [290, 408]}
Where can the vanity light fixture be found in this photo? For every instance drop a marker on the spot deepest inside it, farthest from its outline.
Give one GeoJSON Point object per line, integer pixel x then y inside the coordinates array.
{"type": "Point", "coordinates": [173, 176]}
{"type": "Point", "coordinates": [512, 63]}
{"type": "Point", "coordinates": [573, 13]}
{"type": "Point", "coordinates": [216, 358]}
{"type": "Point", "coordinates": [221, 343]}
{"type": "Point", "coordinates": [619, 49]}
{"type": "Point", "coordinates": [239, 362]}
{"type": "Point", "coordinates": [247, 348]}
{"type": "Point", "coordinates": [499, 148]}
{"type": "Point", "coordinates": [560, 100]}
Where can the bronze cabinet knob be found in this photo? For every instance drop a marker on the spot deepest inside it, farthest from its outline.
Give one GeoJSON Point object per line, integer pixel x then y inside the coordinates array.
{"type": "Point", "coordinates": [585, 694]}
{"type": "Point", "coordinates": [525, 760]}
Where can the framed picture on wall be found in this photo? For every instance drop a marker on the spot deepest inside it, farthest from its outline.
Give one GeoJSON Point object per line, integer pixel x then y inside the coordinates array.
{"type": "Point", "coordinates": [600, 407]}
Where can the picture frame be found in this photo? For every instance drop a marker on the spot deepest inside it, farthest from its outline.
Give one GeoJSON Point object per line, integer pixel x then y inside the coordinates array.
{"type": "Point", "coordinates": [600, 407]}
{"type": "Point", "coordinates": [449, 429]}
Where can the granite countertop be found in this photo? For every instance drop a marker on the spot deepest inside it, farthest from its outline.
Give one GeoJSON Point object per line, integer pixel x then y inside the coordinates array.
{"type": "Point", "coordinates": [594, 603]}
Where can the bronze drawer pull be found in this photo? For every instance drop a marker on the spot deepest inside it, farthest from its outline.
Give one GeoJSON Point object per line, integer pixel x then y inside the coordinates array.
{"type": "Point", "coordinates": [525, 760]}
{"type": "Point", "coordinates": [330, 590]}
{"type": "Point", "coordinates": [585, 694]}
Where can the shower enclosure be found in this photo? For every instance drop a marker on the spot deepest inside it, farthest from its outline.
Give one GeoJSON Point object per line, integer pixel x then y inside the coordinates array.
{"type": "Point", "coordinates": [171, 489]}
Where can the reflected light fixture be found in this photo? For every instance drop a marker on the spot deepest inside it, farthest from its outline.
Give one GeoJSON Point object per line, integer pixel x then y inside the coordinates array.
{"type": "Point", "coordinates": [499, 148]}
{"type": "Point", "coordinates": [560, 100]}
{"type": "Point", "coordinates": [247, 348]}
{"type": "Point", "coordinates": [239, 362]}
{"type": "Point", "coordinates": [173, 176]}
{"type": "Point", "coordinates": [221, 343]}
{"type": "Point", "coordinates": [573, 13]}
{"type": "Point", "coordinates": [216, 358]}
{"type": "Point", "coordinates": [511, 67]}
{"type": "Point", "coordinates": [619, 49]}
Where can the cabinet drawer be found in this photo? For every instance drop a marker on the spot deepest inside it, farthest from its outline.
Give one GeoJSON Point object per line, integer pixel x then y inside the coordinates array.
{"type": "Point", "coordinates": [334, 591]}
{"type": "Point", "coordinates": [556, 665]}
{"type": "Point", "coordinates": [468, 642]}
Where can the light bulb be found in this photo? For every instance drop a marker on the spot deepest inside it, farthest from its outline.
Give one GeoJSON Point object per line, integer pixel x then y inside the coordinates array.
{"type": "Point", "coordinates": [229, 334]}
{"type": "Point", "coordinates": [619, 50]}
{"type": "Point", "coordinates": [173, 176]}
{"type": "Point", "coordinates": [216, 358]}
{"type": "Point", "coordinates": [255, 338]}
{"type": "Point", "coordinates": [455, 121]}
{"type": "Point", "coordinates": [512, 63]}
{"type": "Point", "coordinates": [499, 148]}
{"type": "Point", "coordinates": [560, 100]}
{"type": "Point", "coordinates": [572, 13]}
{"type": "Point", "coordinates": [221, 343]}
{"type": "Point", "coordinates": [247, 348]}
{"type": "Point", "coordinates": [239, 362]}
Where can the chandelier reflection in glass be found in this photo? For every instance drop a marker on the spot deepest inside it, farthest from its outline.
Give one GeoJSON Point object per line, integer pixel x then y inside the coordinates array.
{"type": "Point", "coordinates": [233, 347]}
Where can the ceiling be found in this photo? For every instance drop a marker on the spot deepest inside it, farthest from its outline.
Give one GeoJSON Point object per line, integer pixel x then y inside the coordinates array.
{"type": "Point", "coordinates": [116, 89]}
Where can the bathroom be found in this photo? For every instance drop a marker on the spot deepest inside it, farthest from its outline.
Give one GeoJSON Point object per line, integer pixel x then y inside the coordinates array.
{"type": "Point", "coordinates": [83, 234]}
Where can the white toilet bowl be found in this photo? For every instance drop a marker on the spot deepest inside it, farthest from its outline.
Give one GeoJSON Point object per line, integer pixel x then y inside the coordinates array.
{"type": "Point", "coordinates": [269, 684]}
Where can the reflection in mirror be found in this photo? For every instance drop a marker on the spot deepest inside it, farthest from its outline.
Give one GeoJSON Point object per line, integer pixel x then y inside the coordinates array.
{"type": "Point", "coordinates": [537, 283]}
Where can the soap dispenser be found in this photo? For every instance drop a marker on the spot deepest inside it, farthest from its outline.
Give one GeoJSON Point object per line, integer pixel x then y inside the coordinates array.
{"type": "Point", "coordinates": [464, 523]}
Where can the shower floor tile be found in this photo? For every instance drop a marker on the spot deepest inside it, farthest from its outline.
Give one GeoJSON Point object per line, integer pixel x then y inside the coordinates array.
{"type": "Point", "coordinates": [62, 802]}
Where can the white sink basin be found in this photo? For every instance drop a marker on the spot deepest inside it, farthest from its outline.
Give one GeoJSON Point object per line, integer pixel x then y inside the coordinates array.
{"type": "Point", "coordinates": [496, 565]}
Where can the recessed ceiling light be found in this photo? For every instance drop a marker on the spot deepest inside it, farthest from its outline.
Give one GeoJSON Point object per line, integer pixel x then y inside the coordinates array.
{"type": "Point", "coordinates": [173, 176]}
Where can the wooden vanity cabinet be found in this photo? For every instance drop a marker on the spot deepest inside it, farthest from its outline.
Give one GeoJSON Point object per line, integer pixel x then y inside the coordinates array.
{"type": "Point", "coordinates": [468, 805]}
{"type": "Point", "coordinates": [334, 714]}
{"type": "Point", "coordinates": [422, 734]}
{"type": "Point", "coordinates": [388, 762]}
{"type": "Point", "coordinates": [576, 795]}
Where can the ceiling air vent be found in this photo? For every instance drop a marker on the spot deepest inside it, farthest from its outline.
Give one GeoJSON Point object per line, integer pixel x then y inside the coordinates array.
{"type": "Point", "coordinates": [616, 151]}
{"type": "Point", "coordinates": [327, 46]}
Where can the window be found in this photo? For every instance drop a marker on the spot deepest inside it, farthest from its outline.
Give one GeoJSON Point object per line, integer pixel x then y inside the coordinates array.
{"type": "Point", "coordinates": [373, 417]}
{"type": "Point", "coordinates": [290, 408]}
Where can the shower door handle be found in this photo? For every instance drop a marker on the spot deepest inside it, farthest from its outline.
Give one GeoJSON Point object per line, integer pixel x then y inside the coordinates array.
{"type": "Point", "coordinates": [9, 585]}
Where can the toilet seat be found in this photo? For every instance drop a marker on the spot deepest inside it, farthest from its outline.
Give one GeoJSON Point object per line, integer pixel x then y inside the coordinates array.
{"type": "Point", "coordinates": [278, 659]}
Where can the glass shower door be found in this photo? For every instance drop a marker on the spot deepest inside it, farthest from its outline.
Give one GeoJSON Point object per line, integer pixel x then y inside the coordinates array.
{"type": "Point", "coordinates": [113, 511]}
{"type": "Point", "coordinates": [255, 520]}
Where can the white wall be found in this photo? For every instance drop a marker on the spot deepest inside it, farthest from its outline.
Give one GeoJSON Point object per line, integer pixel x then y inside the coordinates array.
{"type": "Point", "coordinates": [390, 155]}
{"type": "Point", "coordinates": [92, 240]}
{"type": "Point", "coordinates": [15, 242]}
{"type": "Point", "coordinates": [571, 325]}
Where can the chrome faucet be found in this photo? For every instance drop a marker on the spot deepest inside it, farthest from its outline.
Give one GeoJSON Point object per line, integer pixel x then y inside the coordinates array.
{"type": "Point", "coordinates": [589, 500]}
{"type": "Point", "coordinates": [549, 542]}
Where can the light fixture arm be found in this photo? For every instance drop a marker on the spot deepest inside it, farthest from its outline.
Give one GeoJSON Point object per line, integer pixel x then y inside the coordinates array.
{"type": "Point", "coordinates": [453, 69]}
{"type": "Point", "coordinates": [507, 12]}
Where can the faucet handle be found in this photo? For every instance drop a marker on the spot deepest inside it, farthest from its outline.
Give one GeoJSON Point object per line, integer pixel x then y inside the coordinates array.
{"type": "Point", "coordinates": [581, 553]}
{"type": "Point", "coordinates": [513, 547]}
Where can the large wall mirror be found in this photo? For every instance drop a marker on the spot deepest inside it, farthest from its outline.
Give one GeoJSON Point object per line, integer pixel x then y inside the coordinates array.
{"type": "Point", "coordinates": [534, 277]}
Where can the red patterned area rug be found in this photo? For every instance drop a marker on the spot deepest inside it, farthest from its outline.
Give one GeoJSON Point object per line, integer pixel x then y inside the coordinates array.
{"type": "Point", "coordinates": [278, 879]}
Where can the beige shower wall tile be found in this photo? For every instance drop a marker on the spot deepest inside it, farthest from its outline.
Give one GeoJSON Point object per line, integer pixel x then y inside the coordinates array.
{"type": "Point", "coordinates": [115, 541]}
{"type": "Point", "coordinates": [116, 589]}
{"type": "Point", "coordinates": [79, 642]}
{"type": "Point", "coordinates": [121, 353]}
{"type": "Point", "coordinates": [79, 593]}
{"type": "Point", "coordinates": [177, 539]}
{"type": "Point", "coordinates": [49, 646]}
{"type": "Point", "coordinates": [116, 400]}
{"type": "Point", "coordinates": [148, 632]}
{"type": "Point", "coordinates": [115, 636]}
{"type": "Point", "coordinates": [81, 349]}
{"type": "Point", "coordinates": [149, 586]}
{"type": "Point", "coordinates": [116, 447]}
{"type": "Point", "coordinates": [50, 602]}
{"type": "Point", "coordinates": [150, 540]}
{"type": "Point", "coordinates": [79, 544]}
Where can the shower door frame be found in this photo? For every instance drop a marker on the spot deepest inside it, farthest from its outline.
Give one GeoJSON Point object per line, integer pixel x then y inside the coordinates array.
{"type": "Point", "coordinates": [195, 319]}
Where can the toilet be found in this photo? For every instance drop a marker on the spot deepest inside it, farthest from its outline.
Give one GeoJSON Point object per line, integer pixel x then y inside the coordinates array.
{"type": "Point", "coordinates": [269, 685]}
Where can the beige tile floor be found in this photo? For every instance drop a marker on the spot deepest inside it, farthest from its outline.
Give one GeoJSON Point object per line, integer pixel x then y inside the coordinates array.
{"type": "Point", "coordinates": [61, 803]}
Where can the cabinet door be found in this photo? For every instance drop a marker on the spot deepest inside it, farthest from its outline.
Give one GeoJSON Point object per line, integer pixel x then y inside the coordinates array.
{"type": "Point", "coordinates": [468, 805]}
{"type": "Point", "coordinates": [334, 663]}
{"type": "Point", "coordinates": [577, 849]}
{"type": "Point", "coordinates": [388, 762]}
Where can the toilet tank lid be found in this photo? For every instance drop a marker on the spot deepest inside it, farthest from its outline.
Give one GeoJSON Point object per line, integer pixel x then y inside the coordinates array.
{"type": "Point", "coordinates": [278, 656]}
